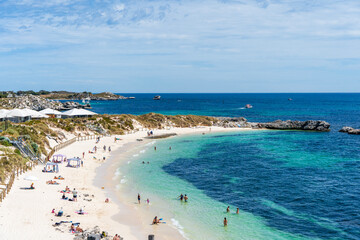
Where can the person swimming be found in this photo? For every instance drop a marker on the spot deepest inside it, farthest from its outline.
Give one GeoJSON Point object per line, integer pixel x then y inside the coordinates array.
{"type": "Point", "coordinates": [225, 222]}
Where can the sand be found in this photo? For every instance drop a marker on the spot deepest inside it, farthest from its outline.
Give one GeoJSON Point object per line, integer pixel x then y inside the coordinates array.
{"type": "Point", "coordinates": [26, 214]}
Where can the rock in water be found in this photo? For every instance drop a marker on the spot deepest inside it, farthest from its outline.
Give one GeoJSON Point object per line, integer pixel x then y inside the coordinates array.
{"type": "Point", "coordinates": [310, 125]}
{"type": "Point", "coordinates": [350, 130]}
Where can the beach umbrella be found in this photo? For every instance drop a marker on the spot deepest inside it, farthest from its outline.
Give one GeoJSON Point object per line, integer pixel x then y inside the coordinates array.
{"type": "Point", "coordinates": [31, 178]}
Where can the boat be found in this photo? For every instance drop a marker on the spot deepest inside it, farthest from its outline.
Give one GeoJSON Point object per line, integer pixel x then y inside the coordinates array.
{"type": "Point", "coordinates": [86, 100]}
{"type": "Point", "coordinates": [290, 99]}
{"type": "Point", "coordinates": [131, 97]}
{"type": "Point", "coordinates": [157, 97]}
{"type": "Point", "coordinates": [248, 106]}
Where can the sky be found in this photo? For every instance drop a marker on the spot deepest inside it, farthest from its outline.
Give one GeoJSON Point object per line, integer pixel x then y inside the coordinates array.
{"type": "Point", "coordinates": [161, 46]}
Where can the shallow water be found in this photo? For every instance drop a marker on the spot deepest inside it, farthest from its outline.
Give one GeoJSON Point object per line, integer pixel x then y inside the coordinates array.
{"type": "Point", "coordinates": [287, 184]}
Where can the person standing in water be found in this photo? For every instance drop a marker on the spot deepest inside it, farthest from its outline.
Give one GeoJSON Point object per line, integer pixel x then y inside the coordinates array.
{"type": "Point", "coordinates": [139, 198]}
{"type": "Point", "coordinates": [186, 198]}
{"type": "Point", "coordinates": [181, 197]}
{"type": "Point", "coordinates": [228, 209]}
{"type": "Point", "coordinates": [155, 148]}
{"type": "Point", "coordinates": [237, 210]}
{"type": "Point", "coordinates": [225, 222]}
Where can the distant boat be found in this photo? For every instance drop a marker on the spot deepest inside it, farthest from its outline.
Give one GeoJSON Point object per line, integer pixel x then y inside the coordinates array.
{"type": "Point", "coordinates": [86, 100]}
{"type": "Point", "coordinates": [157, 97]}
{"type": "Point", "coordinates": [131, 97]}
{"type": "Point", "coordinates": [248, 106]}
{"type": "Point", "coordinates": [290, 99]}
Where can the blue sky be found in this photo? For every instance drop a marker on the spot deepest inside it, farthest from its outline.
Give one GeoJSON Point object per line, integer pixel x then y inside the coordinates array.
{"type": "Point", "coordinates": [180, 46]}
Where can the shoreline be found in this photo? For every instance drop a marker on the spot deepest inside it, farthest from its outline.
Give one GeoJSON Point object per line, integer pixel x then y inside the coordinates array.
{"type": "Point", "coordinates": [168, 231]}
{"type": "Point", "coordinates": [30, 210]}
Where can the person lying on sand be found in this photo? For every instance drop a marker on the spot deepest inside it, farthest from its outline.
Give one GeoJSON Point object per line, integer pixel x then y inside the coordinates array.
{"type": "Point", "coordinates": [59, 178]}
{"type": "Point", "coordinates": [32, 186]}
{"type": "Point", "coordinates": [52, 182]}
{"type": "Point", "coordinates": [106, 200]}
{"type": "Point", "coordinates": [79, 229]}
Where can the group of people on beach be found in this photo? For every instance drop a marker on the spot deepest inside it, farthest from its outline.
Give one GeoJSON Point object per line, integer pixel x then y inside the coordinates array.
{"type": "Point", "coordinates": [139, 199]}
{"type": "Point", "coordinates": [109, 148]}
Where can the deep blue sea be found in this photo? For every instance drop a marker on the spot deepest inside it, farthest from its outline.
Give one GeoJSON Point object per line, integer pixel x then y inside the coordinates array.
{"type": "Point", "coordinates": [287, 184]}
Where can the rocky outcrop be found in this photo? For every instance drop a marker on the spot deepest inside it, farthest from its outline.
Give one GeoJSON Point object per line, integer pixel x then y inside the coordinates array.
{"type": "Point", "coordinates": [71, 105]}
{"type": "Point", "coordinates": [241, 122]}
{"type": "Point", "coordinates": [234, 122]}
{"type": "Point", "coordinates": [39, 103]}
{"type": "Point", "coordinates": [30, 101]}
{"type": "Point", "coordinates": [350, 130]}
{"type": "Point", "coordinates": [311, 125]}
{"type": "Point", "coordinates": [105, 96]}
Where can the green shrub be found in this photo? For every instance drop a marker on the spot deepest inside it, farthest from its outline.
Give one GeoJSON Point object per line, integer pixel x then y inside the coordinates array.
{"type": "Point", "coordinates": [5, 143]}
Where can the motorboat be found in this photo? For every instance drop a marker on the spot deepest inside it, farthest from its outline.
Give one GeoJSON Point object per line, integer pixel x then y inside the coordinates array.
{"type": "Point", "coordinates": [248, 106]}
{"type": "Point", "coordinates": [157, 97]}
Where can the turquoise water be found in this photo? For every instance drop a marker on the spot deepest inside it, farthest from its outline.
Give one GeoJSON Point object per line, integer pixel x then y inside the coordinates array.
{"type": "Point", "coordinates": [287, 184]}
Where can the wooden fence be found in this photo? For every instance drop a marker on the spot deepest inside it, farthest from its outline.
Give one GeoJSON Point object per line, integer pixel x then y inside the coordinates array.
{"type": "Point", "coordinates": [7, 187]}
{"type": "Point", "coordinates": [16, 173]}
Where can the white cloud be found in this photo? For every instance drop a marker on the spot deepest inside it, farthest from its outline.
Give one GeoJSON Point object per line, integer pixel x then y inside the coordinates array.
{"type": "Point", "coordinates": [231, 36]}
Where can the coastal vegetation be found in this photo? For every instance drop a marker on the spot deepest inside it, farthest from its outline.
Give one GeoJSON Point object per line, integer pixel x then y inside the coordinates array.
{"type": "Point", "coordinates": [36, 133]}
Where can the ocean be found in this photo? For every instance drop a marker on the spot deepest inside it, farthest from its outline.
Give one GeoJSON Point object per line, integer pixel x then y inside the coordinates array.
{"type": "Point", "coordinates": [286, 184]}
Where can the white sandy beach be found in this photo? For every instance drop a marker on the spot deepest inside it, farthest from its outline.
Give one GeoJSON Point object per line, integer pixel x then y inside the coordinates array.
{"type": "Point", "coordinates": [27, 213]}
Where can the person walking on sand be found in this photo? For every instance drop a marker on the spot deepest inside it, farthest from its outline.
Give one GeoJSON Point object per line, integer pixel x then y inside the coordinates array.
{"type": "Point", "coordinates": [225, 222]}
{"type": "Point", "coordinates": [109, 149]}
{"type": "Point", "coordinates": [139, 198]}
{"type": "Point", "coordinates": [104, 148]}
{"type": "Point", "coordinates": [83, 154]}
{"type": "Point", "coordinates": [228, 209]}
